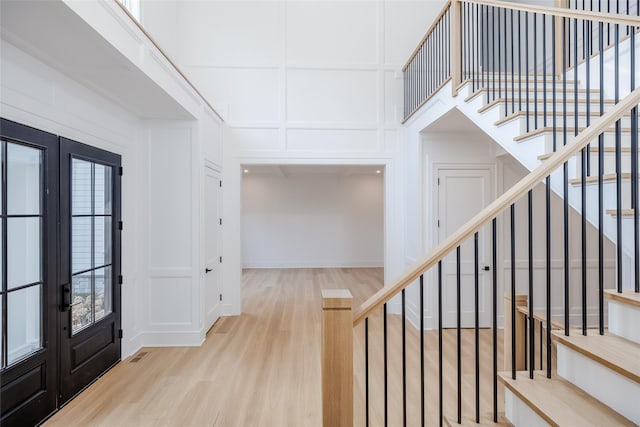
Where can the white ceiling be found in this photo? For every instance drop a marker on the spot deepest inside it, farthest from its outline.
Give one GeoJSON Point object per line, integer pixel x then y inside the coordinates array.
{"type": "Point", "coordinates": [286, 171]}
{"type": "Point", "coordinates": [53, 33]}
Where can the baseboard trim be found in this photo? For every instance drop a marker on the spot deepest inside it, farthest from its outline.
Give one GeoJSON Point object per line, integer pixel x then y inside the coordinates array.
{"type": "Point", "coordinates": [321, 264]}
{"type": "Point", "coordinates": [173, 339]}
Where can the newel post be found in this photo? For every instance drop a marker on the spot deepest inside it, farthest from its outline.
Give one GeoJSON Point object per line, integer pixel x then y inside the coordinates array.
{"type": "Point", "coordinates": [559, 37]}
{"type": "Point", "coordinates": [521, 301]}
{"type": "Point", "coordinates": [456, 46]}
{"type": "Point", "coordinates": [337, 358]}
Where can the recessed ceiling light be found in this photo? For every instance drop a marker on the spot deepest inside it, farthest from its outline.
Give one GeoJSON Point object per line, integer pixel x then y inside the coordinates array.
{"type": "Point", "coordinates": [378, 171]}
{"type": "Point", "coordinates": [246, 171]}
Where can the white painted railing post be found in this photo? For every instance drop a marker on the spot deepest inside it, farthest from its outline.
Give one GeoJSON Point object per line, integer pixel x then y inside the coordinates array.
{"type": "Point", "coordinates": [337, 358]}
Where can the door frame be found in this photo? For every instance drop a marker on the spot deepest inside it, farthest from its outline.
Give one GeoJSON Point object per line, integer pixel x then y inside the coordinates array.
{"type": "Point", "coordinates": [217, 172]}
{"type": "Point", "coordinates": [433, 205]}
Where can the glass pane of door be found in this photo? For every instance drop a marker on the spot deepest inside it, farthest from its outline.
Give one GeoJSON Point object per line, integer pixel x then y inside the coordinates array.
{"type": "Point", "coordinates": [24, 179]}
{"type": "Point", "coordinates": [103, 281]}
{"type": "Point", "coordinates": [23, 320]}
{"type": "Point", "coordinates": [22, 251]}
{"type": "Point", "coordinates": [91, 242]}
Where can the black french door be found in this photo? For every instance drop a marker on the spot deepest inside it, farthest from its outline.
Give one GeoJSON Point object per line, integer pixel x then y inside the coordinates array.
{"type": "Point", "coordinates": [60, 304]}
{"type": "Point", "coordinates": [29, 206]}
{"type": "Point", "coordinates": [89, 268]}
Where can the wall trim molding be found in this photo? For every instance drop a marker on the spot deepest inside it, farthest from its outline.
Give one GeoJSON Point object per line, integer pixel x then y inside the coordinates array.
{"type": "Point", "coordinates": [316, 264]}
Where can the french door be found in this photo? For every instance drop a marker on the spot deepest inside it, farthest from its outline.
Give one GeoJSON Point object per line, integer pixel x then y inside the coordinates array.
{"type": "Point", "coordinates": [89, 267]}
{"type": "Point", "coordinates": [60, 259]}
{"type": "Point", "coordinates": [29, 206]}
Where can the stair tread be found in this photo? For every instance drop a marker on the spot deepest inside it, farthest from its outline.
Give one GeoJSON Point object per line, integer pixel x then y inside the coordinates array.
{"type": "Point", "coordinates": [612, 351]}
{"type": "Point", "coordinates": [627, 296]}
{"type": "Point", "coordinates": [559, 402]}
{"type": "Point", "coordinates": [559, 129]}
{"type": "Point", "coordinates": [592, 149]}
{"type": "Point", "coordinates": [625, 212]}
{"type": "Point", "coordinates": [605, 178]}
{"type": "Point", "coordinates": [466, 421]}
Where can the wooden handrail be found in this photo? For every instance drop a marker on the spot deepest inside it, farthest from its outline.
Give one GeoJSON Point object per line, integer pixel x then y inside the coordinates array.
{"type": "Point", "coordinates": [497, 206]}
{"type": "Point", "coordinates": [433, 26]}
{"type": "Point", "coordinates": [173, 64]}
{"type": "Point", "coordinates": [612, 18]}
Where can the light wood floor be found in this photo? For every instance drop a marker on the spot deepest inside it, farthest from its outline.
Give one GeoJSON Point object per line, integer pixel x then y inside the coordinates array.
{"type": "Point", "coordinates": [263, 368]}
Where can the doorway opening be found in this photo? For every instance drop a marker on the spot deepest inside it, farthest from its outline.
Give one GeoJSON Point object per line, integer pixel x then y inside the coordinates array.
{"type": "Point", "coordinates": [312, 216]}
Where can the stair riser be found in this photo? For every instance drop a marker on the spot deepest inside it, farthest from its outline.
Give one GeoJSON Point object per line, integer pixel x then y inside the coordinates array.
{"type": "Point", "coordinates": [611, 388]}
{"type": "Point", "coordinates": [624, 320]}
{"type": "Point", "coordinates": [519, 413]}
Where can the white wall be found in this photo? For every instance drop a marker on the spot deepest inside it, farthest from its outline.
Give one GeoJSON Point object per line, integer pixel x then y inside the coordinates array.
{"type": "Point", "coordinates": [311, 220]}
{"type": "Point", "coordinates": [301, 83]}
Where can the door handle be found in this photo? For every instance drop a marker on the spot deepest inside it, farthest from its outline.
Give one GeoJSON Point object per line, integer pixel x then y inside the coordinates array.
{"type": "Point", "coordinates": [65, 304]}
{"type": "Point", "coordinates": [486, 268]}
{"type": "Point", "coordinates": [207, 270]}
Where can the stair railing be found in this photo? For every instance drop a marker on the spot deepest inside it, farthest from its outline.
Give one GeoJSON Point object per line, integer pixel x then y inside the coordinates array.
{"type": "Point", "coordinates": [429, 66]}
{"type": "Point", "coordinates": [380, 357]}
{"type": "Point", "coordinates": [559, 69]}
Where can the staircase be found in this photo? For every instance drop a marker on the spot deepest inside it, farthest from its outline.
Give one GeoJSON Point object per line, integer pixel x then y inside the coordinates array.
{"type": "Point", "coordinates": [597, 381]}
{"type": "Point", "coordinates": [532, 147]}
{"type": "Point", "coordinates": [562, 104]}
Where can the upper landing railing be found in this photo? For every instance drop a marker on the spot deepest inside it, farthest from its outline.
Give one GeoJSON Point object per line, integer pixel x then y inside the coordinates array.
{"type": "Point", "coordinates": [484, 41]}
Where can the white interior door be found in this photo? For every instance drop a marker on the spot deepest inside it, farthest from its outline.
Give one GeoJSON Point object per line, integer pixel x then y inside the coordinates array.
{"type": "Point", "coordinates": [462, 193]}
{"type": "Point", "coordinates": [212, 246]}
